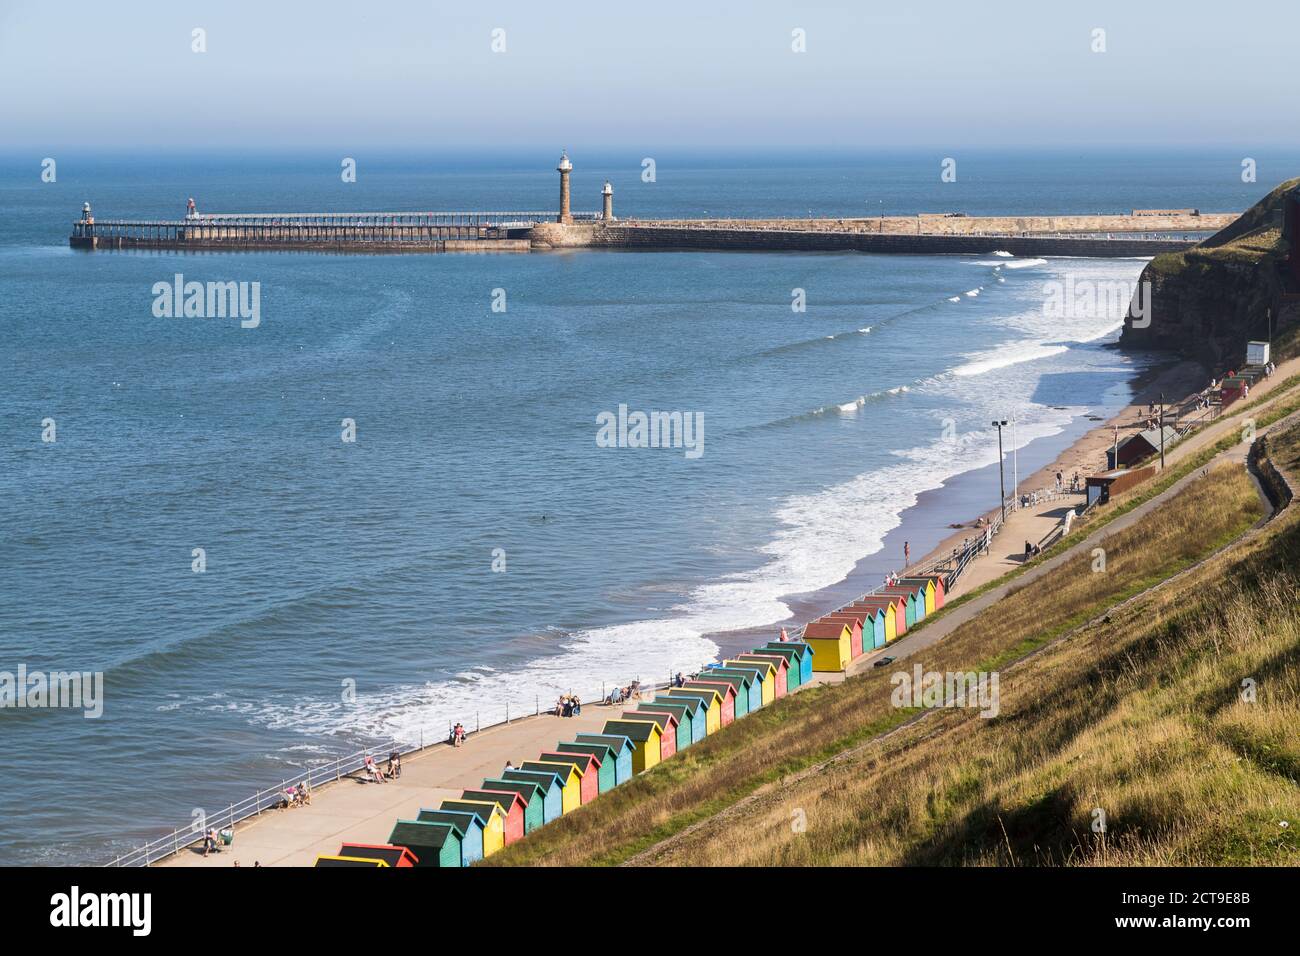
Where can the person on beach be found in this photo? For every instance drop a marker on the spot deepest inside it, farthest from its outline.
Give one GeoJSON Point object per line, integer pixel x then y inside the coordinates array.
{"type": "Point", "coordinates": [577, 705]}
{"type": "Point", "coordinates": [1060, 482]}
{"type": "Point", "coordinates": [907, 554]}
{"type": "Point", "coordinates": [372, 768]}
{"type": "Point", "coordinates": [394, 764]}
{"type": "Point", "coordinates": [680, 681]}
{"type": "Point", "coordinates": [458, 734]}
{"type": "Point", "coordinates": [210, 843]}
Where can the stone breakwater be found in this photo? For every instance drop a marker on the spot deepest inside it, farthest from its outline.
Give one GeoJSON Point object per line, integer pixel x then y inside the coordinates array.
{"type": "Point", "coordinates": [697, 237]}
{"type": "Point", "coordinates": [947, 225]}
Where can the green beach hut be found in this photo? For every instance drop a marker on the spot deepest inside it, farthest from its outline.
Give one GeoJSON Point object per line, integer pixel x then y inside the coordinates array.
{"type": "Point", "coordinates": [622, 747]}
{"type": "Point", "coordinates": [804, 656]}
{"type": "Point", "coordinates": [435, 844]}
{"type": "Point", "coordinates": [606, 773]}
{"type": "Point", "coordinates": [689, 711]}
{"type": "Point", "coordinates": [468, 825]}
{"type": "Point", "coordinates": [552, 789]}
{"type": "Point", "coordinates": [683, 731]}
{"type": "Point", "coordinates": [711, 700]}
{"type": "Point", "coordinates": [533, 795]}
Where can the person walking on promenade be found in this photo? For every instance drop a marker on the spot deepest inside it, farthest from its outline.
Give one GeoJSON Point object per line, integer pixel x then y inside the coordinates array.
{"type": "Point", "coordinates": [907, 554]}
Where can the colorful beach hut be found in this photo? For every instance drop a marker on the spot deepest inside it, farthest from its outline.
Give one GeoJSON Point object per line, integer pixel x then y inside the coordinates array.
{"type": "Point", "coordinates": [749, 691]}
{"type": "Point", "coordinates": [895, 613]}
{"type": "Point", "coordinates": [606, 772]}
{"type": "Point", "coordinates": [667, 730]}
{"type": "Point", "coordinates": [874, 628]}
{"type": "Point", "coordinates": [933, 587]}
{"type": "Point", "coordinates": [884, 627]}
{"type": "Point", "coordinates": [511, 804]}
{"type": "Point", "coordinates": [801, 657]}
{"type": "Point", "coordinates": [394, 856]}
{"type": "Point", "coordinates": [691, 714]}
{"type": "Point", "coordinates": [434, 844]}
{"type": "Point", "coordinates": [830, 643]}
{"type": "Point", "coordinates": [780, 670]}
{"type": "Point", "coordinates": [724, 690]}
{"type": "Point", "coordinates": [571, 797]}
{"type": "Point", "coordinates": [588, 768]}
{"type": "Point", "coordinates": [362, 861]}
{"type": "Point", "coordinates": [711, 700]}
{"type": "Point", "coordinates": [765, 671]}
{"type": "Point", "coordinates": [491, 816]}
{"type": "Point", "coordinates": [856, 618]}
{"type": "Point", "coordinates": [914, 614]}
{"type": "Point", "coordinates": [674, 717]}
{"type": "Point", "coordinates": [622, 748]}
{"type": "Point", "coordinates": [532, 794]}
{"type": "Point", "coordinates": [552, 789]}
{"type": "Point", "coordinates": [647, 741]}
{"type": "Point", "coordinates": [470, 826]}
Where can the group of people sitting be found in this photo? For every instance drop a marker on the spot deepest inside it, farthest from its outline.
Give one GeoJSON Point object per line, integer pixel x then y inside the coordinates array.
{"type": "Point", "coordinates": [620, 694]}
{"type": "Point", "coordinates": [568, 705]}
{"type": "Point", "coordinates": [378, 774]}
{"type": "Point", "coordinates": [213, 841]}
{"type": "Point", "coordinates": [295, 796]}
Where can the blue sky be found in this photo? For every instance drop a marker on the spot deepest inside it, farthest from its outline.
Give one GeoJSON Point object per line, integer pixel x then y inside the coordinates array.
{"type": "Point", "coordinates": [651, 75]}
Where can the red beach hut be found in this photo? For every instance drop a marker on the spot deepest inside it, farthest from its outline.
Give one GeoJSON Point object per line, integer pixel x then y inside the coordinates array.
{"type": "Point", "coordinates": [723, 689]}
{"type": "Point", "coordinates": [781, 664]}
{"type": "Point", "coordinates": [587, 765]}
{"type": "Point", "coordinates": [511, 804]}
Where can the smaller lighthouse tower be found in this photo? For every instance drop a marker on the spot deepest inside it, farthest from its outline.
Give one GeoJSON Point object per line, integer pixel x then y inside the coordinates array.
{"type": "Point", "coordinates": [564, 169]}
{"type": "Point", "coordinates": [608, 195]}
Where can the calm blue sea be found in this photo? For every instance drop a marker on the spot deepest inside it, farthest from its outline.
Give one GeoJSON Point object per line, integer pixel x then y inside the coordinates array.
{"type": "Point", "coordinates": [370, 565]}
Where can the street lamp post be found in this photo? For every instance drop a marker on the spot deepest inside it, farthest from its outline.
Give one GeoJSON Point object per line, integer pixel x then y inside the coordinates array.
{"type": "Point", "coordinates": [1002, 481]}
{"type": "Point", "coordinates": [1162, 431]}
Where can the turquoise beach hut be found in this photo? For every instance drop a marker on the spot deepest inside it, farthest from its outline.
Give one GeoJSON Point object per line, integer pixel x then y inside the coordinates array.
{"type": "Point", "coordinates": [606, 776]}
{"type": "Point", "coordinates": [622, 747]}
{"type": "Point", "coordinates": [749, 685]}
{"type": "Point", "coordinates": [685, 732]}
{"type": "Point", "coordinates": [552, 791]}
{"type": "Point", "coordinates": [877, 618]}
{"type": "Point", "coordinates": [763, 677]}
{"type": "Point", "coordinates": [794, 672]}
{"type": "Point", "coordinates": [909, 595]}
{"type": "Point", "coordinates": [533, 795]}
{"type": "Point", "coordinates": [738, 683]}
{"type": "Point", "coordinates": [691, 712]}
{"type": "Point", "coordinates": [468, 825]}
{"type": "Point", "coordinates": [805, 657]}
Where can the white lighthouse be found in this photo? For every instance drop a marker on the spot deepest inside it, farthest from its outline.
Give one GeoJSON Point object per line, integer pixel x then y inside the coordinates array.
{"type": "Point", "coordinates": [608, 195]}
{"type": "Point", "coordinates": [564, 169]}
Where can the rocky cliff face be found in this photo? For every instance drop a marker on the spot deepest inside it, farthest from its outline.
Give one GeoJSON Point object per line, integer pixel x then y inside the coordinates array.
{"type": "Point", "coordinates": [1208, 302]}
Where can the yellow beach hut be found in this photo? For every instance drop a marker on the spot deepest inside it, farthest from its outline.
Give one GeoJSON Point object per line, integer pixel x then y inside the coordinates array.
{"type": "Point", "coordinates": [646, 737]}
{"type": "Point", "coordinates": [831, 644]}
{"type": "Point", "coordinates": [570, 777]}
{"type": "Point", "coordinates": [490, 815]}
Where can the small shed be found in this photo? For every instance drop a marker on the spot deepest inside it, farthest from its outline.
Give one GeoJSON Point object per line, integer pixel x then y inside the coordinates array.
{"type": "Point", "coordinates": [511, 804]}
{"type": "Point", "coordinates": [749, 690]}
{"type": "Point", "coordinates": [831, 644]}
{"type": "Point", "coordinates": [588, 770]}
{"type": "Point", "coordinates": [362, 861]}
{"type": "Point", "coordinates": [394, 856]}
{"type": "Point", "coordinates": [532, 794]}
{"type": "Point", "coordinates": [623, 748]}
{"type": "Point", "coordinates": [803, 656]}
{"type": "Point", "coordinates": [691, 714]}
{"type": "Point", "coordinates": [680, 723]}
{"type": "Point", "coordinates": [1102, 486]}
{"type": "Point", "coordinates": [470, 826]}
{"type": "Point", "coordinates": [724, 690]}
{"type": "Point", "coordinates": [434, 844]}
{"type": "Point", "coordinates": [552, 789]}
{"type": "Point", "coordinates": [711, 700]}
{"type": "Point", "coordinates": [603, 755]}
{"type": "Point", "coordinates": [1142, 445]}
{"type": "Point", "coordinates": [571, 780]}
{"type": "Point", "coordinates": [780, 670]}
{"type": "Point", "coordinates": [857, 619]}
{"type": "Point", "coordinates": [893, 608]}
{"type": "Point", "coordinates": [491, 816]}
{"type": "Point", "coordinates": [647, 741]}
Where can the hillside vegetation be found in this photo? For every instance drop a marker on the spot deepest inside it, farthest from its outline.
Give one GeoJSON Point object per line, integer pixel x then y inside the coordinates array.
{"type": "Point", "coordinates": [1133, 711]}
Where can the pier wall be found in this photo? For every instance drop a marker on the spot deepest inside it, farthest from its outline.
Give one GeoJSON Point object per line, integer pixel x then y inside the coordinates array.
{"type": "Point", "coordinates": [636, 236]}
{"type": "Point", "coordinates": [939, 224]}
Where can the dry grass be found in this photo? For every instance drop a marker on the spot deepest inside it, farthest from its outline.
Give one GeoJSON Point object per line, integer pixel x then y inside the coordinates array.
{"type": "Point", "coordinates": [1139, 715]}
{"type": "Point", "coordinates": [883, 801]}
